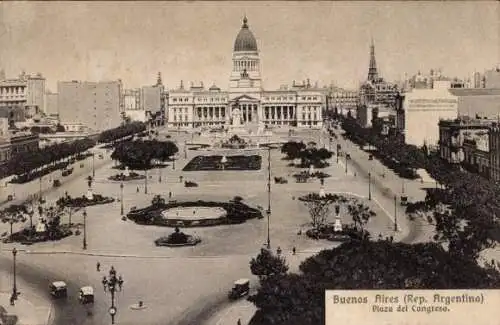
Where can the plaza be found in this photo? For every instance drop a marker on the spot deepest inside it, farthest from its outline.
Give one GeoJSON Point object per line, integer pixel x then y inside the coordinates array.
{"type": "Point", "coordinates": [225, 250]}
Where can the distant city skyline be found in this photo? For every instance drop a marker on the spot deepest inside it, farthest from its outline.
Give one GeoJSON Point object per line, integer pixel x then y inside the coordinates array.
{"type": "Point", "coordinates": [193, 41]}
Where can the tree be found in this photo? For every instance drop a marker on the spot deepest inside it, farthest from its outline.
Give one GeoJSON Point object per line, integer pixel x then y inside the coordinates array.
{"type": "Point", "coordinates": [267, 265]}
{"type": "Point", "coordinates": [360, 214]}
{"type": "Point", "coordinates": [299, 298]}
{"type": "Point", "coordinates": [319, 209]}
{"type": "Point", "coordinates": [139, 154]}
{"type": "Point", "coordinates": [122, 131]}
{"type": "Point", "coordinates": [292, 149]}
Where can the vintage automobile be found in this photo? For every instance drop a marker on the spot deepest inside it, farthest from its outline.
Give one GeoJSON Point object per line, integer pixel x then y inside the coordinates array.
{"type": "Point", "coordinates": [58, 289]}
{"type": "Point", "coordinates": [67, 172]}
{"type": "Point", "coordinates": [86, 295]}
{"type": "Point", "coordinates": [240, 289]}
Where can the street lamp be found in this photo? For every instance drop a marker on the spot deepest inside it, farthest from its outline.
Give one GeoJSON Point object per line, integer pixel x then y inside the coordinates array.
{"type": "Point", "coordinates": [14, 286]}
{"type": "Point", "coordinates": [346, 155]}
{"type": "Point", "coordinates": [369, 186]}
{"type": "Point", "coordinates": [338, 150]}
{"type": "Point", "coordinates": [395, 214]}
{"type": "Point", "coordinates": [112, 284]}
{"type": "Point", "coordinates": [403, 186]}
{"type": "Point", "coordinates": [93, 164]}
{"type": "Point", "coordinates": [159, 176]}
{"type": "Point", "coordinates": [121, 199]}
{"type": "Point", "coordinates": [84, 229]}
{"type": "Point", "coordinates": [146, 182]}
{"type": "Point", "coordinates": [11, 221]}
{"type": "Point", "coordinates": [268, 197]}
{"type": "Point", "coordinates": [30, 214]}
{"type": "Point", "coordinates": [40, 190]}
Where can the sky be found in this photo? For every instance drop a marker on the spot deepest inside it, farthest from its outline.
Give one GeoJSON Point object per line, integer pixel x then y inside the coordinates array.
{"type": "Point", "coordinates": [327, 42]}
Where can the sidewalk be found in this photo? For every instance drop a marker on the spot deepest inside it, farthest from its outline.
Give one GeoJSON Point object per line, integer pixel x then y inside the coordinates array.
{"type": "Point", "coordinates": [27, 313]}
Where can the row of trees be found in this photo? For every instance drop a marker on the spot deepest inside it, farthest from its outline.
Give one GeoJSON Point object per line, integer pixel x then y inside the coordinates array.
{"type": "Point", "coordinates": [121, 132]}
{"type": "Point", "coordinates": [464, 210]}
{"type": "Point", "coordinates": [139, 154]}
{"type": "Point", "coordinates": [308, 155]}
{"type": "Point", "coordinates": [390, 149]}
{"type": "Point", "coordinates": [288, 298]}
{"type": "Point", "coordinates": [26, 162]}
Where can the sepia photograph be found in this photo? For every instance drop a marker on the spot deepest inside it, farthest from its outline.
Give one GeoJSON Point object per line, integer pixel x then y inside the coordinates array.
{"type": "Point", "coordinates": [249, 162]}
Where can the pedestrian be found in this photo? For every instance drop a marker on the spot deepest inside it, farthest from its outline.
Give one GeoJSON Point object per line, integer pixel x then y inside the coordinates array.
{"type": "Point", "coordinates": [104, 282]}
{"type": "Point", "coordinates": [239, 322]}
{"type": "Point", "coordinates": [12, 299]}
{"type": "Point", "coordinates": [170, 194]}
{"type": "Point", "coordinates": [120, 282]}
{"type": "Point", "coordinates": [98, 267]}
{"type": "Point", "coordinates": [278, 251]}
{"type": "Point", "coordinates": [294, 250]}
{"type": "Point", "coordinates": [137, 189]}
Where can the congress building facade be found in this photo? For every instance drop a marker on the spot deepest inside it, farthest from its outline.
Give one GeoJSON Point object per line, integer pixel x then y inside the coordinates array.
{"type": "Point", "coordinates": [245, 101]}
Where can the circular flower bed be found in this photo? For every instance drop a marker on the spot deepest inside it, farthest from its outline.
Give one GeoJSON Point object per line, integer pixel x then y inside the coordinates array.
{"type": "Point", "coordinates": [123, 178]}
{"type": "Point", "coordinates": [235, 212]}
{"type": "Point", "coordinates": [177, 239]}
{"type": "Point", "coordinates": [83, 201]}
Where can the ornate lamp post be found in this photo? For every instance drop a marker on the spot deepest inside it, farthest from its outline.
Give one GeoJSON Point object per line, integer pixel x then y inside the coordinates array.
{"type": "Point", "coordinates": [14, 286]}
{"type": "Point", "coordinates": [369, 186]}
{"type": "Point", "coordinates": [112, 284]}
{"type": "Point", "coordinates": [395, 214]}
{"type": "Point", "coordinates": [121, 199]}
{"type": "Point", "coordinates": [84, 229]}
{"type": "Point", "coordinates": [268, 197]}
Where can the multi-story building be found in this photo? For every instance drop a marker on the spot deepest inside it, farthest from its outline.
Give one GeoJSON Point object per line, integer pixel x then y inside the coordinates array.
{"type": "Point", "coordinates": [246, 101]}
{"type": "Point", "coordinates": [453, 133]}
{"type": "Point", "coordinates": [51, 102]}
{"type": "Point", "coordinates": [342, 101]}
{"type": "Point", "coordinates": [422, 109]}
{"type": "Point", "coordinates": [27, 92]}
{"type": "Point", "coordinates": [494, 146]}
{"type": "Point", "coordinates": [492, 78]}
{"type": "Point", "coordinates": [478, 103]}
{"type": "Point", "coordinates": [97, 105]}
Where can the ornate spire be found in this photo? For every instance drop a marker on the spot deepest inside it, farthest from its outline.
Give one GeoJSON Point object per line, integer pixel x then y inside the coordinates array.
{"type": "Point", "coordinates": [245, 22]}
{"type": "Point", "coordinates": [182, 85]}
{"type": "Point", "coordinates": [372, 70]}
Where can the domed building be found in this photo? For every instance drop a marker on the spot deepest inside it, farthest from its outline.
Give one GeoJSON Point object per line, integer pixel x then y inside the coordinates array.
{"type": "Point", "coordinates": [246, 102]}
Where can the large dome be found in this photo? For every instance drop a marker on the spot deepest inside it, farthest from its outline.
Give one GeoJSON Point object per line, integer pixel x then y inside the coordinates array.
{"type": "Point", "coordinates": [245, 41]}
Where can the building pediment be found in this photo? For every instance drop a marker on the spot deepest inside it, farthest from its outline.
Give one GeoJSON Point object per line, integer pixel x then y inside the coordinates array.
{"type": "Point", "coordinates": [245, 98]}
